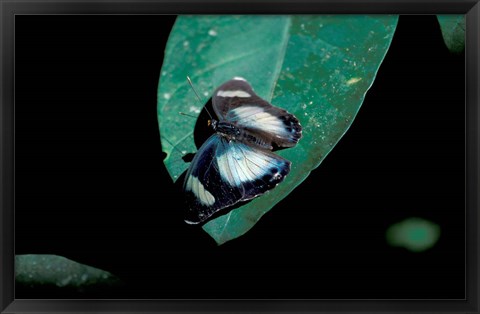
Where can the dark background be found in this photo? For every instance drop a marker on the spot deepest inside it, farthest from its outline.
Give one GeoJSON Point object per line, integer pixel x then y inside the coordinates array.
{"type": "Point", "coordinates": [91, 185]}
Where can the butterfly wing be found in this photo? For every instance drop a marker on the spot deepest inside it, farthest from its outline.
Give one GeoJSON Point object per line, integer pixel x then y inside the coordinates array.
{"type": "Point", "coordinates": [224, 172]}
{"type": "Point", "coordinates": [236, 102]}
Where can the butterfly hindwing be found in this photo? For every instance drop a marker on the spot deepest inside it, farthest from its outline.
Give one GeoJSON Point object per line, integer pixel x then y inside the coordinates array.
{"type": "Point", "coordinates": [236, 102]}
{"type": "Point", "coordinates": [225, 172]}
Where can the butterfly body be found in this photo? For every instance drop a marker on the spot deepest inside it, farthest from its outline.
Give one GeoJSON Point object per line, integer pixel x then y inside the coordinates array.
{"type": "Point", "coordinates": [237, 163]}
{"type": "Point", "coordinates": [233, 133]}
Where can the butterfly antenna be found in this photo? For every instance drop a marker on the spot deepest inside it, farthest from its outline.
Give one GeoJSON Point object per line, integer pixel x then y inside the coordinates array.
{"type": "Point", "coordinates": [198, 97]}
{"type": "Point", "coordinates": [186, 114]}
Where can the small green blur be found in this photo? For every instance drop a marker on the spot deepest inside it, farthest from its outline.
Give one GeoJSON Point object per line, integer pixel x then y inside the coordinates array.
{"type": "Point", "coordinates": [414, 234]}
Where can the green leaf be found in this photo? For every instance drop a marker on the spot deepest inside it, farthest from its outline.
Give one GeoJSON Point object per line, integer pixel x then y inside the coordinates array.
{"type": "Point", "coordinates": [316, 67]}
{"type": "Point", "coordinates": [415, 234]}
{"type": "Point", "coordinates": [453, 31]}
{"type": "Point", "coordinates": [35, 270]}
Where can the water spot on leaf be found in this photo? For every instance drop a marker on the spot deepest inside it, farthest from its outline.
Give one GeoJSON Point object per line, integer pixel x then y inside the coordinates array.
{"type": "Point", "coordinates": [194, 109]}
{"type": "Point", "coordinates": [212, 32]}
{"type": "Point", "coordinates": [354, 80]}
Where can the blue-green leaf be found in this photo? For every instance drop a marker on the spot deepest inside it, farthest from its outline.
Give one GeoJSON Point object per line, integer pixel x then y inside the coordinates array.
{"type": "Point", "coordinates": [453, 31]}
{"type": "Point", "coordinates": [37, 270]}
{"type": "Point", "coordinates": [316, 67]}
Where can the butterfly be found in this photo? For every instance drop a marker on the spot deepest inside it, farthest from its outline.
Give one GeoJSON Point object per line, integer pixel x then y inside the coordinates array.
{"type": "Point", "coordinates": [236, 163]}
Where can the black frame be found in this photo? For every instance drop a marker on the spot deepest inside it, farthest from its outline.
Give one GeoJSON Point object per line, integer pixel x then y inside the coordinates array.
{"type": "Point", "coordinates": [10, 8]}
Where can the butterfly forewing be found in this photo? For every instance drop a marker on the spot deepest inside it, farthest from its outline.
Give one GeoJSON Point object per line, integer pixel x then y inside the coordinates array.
{"type": "Point", "coordinates": [236, 102]}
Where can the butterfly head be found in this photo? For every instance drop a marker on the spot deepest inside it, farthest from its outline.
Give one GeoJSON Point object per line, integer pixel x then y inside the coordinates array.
{"type": "Point", "coordinates": [212, 123]}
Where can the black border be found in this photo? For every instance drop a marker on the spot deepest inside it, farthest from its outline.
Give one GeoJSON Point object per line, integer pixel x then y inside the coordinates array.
{"type": "Point", "coordinates": [8, 10]}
